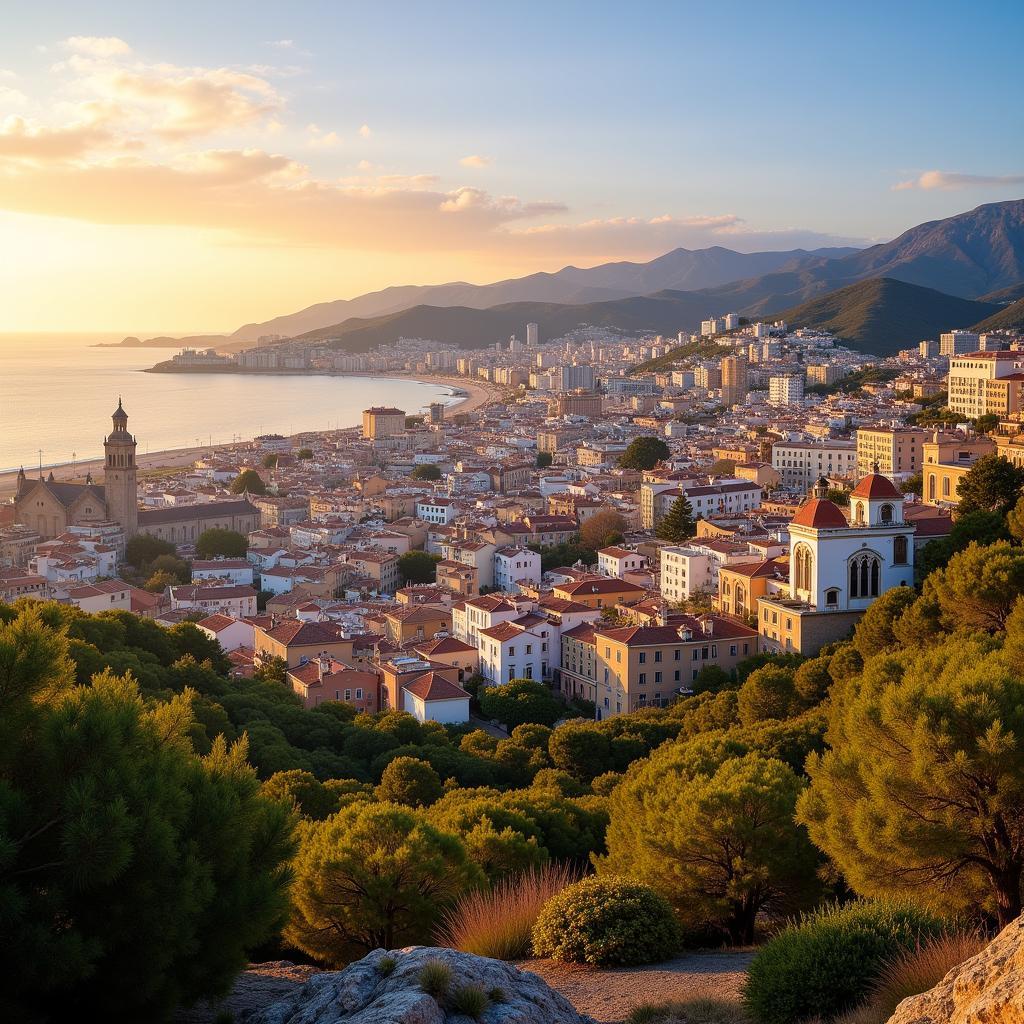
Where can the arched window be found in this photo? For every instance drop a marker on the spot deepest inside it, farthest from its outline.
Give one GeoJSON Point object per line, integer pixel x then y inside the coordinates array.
{"type": "Point", "coordinates": [832, 597]}
{"type": "Point", "coordinates": [886, 513]}
{"type": "Point", "coordinates": [931, 486]}
{"type": "Point", "coordinates": [875, 573]}
{"type": "Point", "coordinates": [854, 580]}
{"type": "Point", "coordinates": [865, 575]}
{"type": "Point", "coordinates": [804, 567]}
{"type": "Point", "coordinates": [899, 550]}
{"type": "Point", "coordinates": [859, 514]}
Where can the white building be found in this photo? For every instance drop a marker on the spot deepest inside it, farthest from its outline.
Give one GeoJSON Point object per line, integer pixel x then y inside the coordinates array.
{"type": "Point", "coordinates": [440, 511]}
{"type": "Point", "coordinates": [801, 463]}
{"type": "Point", "coordinates": [616, 561]}
{"type": "Point", "coordinates": [229, 632]}
{"type": "Point", "coordinates": [235, 601]}
{"type": "Point", "coordinates": [518, 650]}
{"type": "Point", "coordinates": [693, 569]}
{"type": "Point", "coordinates": [432, 698]}
{"type": "Point", "coordinates": [234, 570]}
{"type": "Point", "coordinates": [723, 497]}
{"type": "Point", "coordinates": [532, 335]}
{"type": "Point", "coordinates": [970, 391]}
{"type": "Point", "coordinates": [515, 564]}
{"type": "Point", "coordinates": [786, 389]}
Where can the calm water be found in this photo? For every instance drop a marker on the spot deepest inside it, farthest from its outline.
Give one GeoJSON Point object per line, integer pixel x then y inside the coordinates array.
{"type": "Point", "coordinates": [57, 394]}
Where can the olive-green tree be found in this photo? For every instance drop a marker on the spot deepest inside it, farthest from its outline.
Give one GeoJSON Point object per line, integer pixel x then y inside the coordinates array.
{"type": "Point", "coordinates": [644, 453]}
{"type": "Point", "coordinates": [409, 781]}
{"type": "Point", "coordinates": [677, 524]}
{"type": "Point", "coordinates": [372, 876]}
{"type": "Point", "coordinates": [979, 586]}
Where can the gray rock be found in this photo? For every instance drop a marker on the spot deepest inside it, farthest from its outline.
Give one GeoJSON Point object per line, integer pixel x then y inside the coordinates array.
{"type": "Point", "coordinates": [360, 994]}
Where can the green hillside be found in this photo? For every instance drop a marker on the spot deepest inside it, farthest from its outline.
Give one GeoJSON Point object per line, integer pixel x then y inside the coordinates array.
{"type": "Point", "coordinates": [882, 316]}
{"type": "Point", "coordinates": [1008, 317]}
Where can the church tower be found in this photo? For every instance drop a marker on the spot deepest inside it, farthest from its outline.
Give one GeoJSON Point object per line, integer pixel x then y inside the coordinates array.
{"type": "Point", "coordinates": [119, 474]}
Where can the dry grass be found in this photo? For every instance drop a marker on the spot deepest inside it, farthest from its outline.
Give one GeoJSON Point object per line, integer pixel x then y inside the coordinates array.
{"type": "Point", "coordinates": [913, 972]}
{"type": "Point", "coordinates": [497, 922]}
{"type": "Point", "coordinates": [692, 1011]}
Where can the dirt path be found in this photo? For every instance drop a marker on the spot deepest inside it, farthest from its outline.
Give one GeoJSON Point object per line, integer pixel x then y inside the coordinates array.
{"type": "Point", "coordinates": [609, 995]}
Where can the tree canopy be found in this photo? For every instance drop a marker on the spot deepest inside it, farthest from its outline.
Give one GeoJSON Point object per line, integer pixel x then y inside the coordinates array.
{"type": "Point", "coordinates": [418, 567]}
{"type": "Point", "coordinates": [427, 471]}
{"type": "Point", "coordinates": [220, 543]}
{"type": "Point", "coordinates": [248, 480]}
{"type": "Point", "coordinates": [677, 524]}
{"type": "Point", "coordinates": [992, 484]}
{"type": "Point", "coordinates": [603, 528]}
{"type": "Point", "coordinates": [644, 453]}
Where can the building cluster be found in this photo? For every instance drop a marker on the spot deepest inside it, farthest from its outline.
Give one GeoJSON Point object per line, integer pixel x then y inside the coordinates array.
{"type": "Point", "coordinates": [812, 486]}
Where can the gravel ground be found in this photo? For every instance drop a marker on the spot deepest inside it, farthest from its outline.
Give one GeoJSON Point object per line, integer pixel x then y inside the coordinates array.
{"type": "Point", "coordinates": [259, 986]}
{"type": "Point", "coordinates": [611, 994]}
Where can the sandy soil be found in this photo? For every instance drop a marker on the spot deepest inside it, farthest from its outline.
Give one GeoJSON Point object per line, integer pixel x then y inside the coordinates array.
{"type": "Point", "coordinates": [609, 995]}
{"type": "Point", "coordinates": [477, 395]}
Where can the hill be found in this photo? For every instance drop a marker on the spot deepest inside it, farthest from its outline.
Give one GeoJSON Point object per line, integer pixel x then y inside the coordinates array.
{"type": "Point", "coordinates": [1006, 295]}
{"type": "Point", "coordinates": [1007, 318]}
{"type": "Point", "coordinates": [678, 270]}
{"type": "Point", "coordinates": [882, 316]}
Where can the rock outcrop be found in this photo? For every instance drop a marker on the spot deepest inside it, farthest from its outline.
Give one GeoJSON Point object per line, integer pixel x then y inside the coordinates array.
{"type": "Point", "coordinates": [987, 989]}
{"type": "Point", "coordinates": [384, 988]}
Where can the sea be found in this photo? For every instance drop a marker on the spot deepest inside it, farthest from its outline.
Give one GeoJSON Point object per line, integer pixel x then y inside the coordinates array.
{"type": "Point", "coordinates": [57, 394]}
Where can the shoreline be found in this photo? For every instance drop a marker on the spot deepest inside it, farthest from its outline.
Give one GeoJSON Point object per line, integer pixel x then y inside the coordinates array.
{"type": "Point", "coordinates": [474, 396]}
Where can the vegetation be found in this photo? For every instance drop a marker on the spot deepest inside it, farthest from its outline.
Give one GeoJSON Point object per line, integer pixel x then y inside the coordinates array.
{"type": "Point", "coordinates": [469, 1000]}
{"type": "Point", "coordinates": [602, 529]}
{"type": "Point", "coordinates": [427, 471]}
{"type": "Point", "coordinates": [498, 922]}
{"type": "Point", "coordinates": [435, 977]}
{"type": "Point", "coordinates": [992, 484]}
{"type": "Point", "coordinates": [644, 453]}
{"type": "Point", "coordinates": [690, 1011]}
{"type": "Point", "coordinates": [373, 876]}
{"type": "Point", "coordinates": [521, 702]}
{"type": "Point", "coordinates": [544, 460]}
{"type": "Point", "coordinates": [418, 567]}
{"type": "Point", "coordinates": [677, 524]}
{"type": "Point", "coordinates": [409, 781]}
{"type": "Point", "coordinates": [828, 961]}
{"type": "Point", "coordinates": [305, 454]}
{"type": "Point", "coordinates": [248, 481]}
{"type": "Point", "coordinates": [142, 550]}
{"type": "Point", "coordinates": [135, 875]}
{"type": "Point", "coordinates": [218, 543]}
{"type": "Point", "coordinates": [555, 555]}
{"type": "Point", "coordinates": [606, 921]}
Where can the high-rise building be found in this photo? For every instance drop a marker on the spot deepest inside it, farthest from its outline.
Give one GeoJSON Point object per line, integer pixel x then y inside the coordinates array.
{"type": "Point", "coordinates": [928, 349]}
{"type": "Point", "coordinates": [382, 421]}
{"type": "Point", "coordinates": [956, 343]}
{"type": "Point", "coordinates": [734, 380]}
{"type": "Point", "coordinates": [532, 335]}
{"type": "Point", "coordinates": [786, 389]}
{"type": "Point", "coordinates": [985, 382]}
{"type": "Point", "coordinates": [732, 321]}
{"type": "Point", "coordinates": [437, 412]}
{"type": "Point", "coordinates": [895, 451]}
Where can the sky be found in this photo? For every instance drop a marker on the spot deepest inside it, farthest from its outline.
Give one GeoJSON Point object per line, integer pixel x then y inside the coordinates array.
{"type": "Point", "coordinates": [191, 167]}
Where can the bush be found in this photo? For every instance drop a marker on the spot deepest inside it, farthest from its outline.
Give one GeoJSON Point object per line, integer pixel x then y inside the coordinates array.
{"type": "Point", "coordinates": [498, 922]}
{"type": "Point", "coordinates": [520, 702]}
{"type": "Point", "coordinates": [606, 921]}
{"type": "Point", "coordinates": [386, 966]}
{"type": "Point", "coordinates": [828, 961]}
{"type": "Point", "coordinates": [690, 1011]}
{"type": "Point", "coordinates": [434, 978]}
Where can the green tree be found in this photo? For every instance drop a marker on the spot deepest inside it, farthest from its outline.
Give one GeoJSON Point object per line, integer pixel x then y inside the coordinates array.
{"type": "Point", "coordinates": [248, 480]}
{"type": "Point", "coordinates": [176, 567]}
{"type": "Point", "coordinates": [159, 581]}
{"type": "Point", "coordinates": [409, 781]}
{"type": "Point", "coordinates": [216, 542]}
{"type": "Point", "coordinates": [418, 567]}
{"type": "Point", "coordinates": [644, 453]}
{"type": "Point", "coordinates": [921, 792]}
{"type": "Point", "coordinates": [979, 585]}
{"type": "Point", "coordinates": [305, 454]}
{"type": "Point", "coordinates": [992, 484]}
{"type": "Point", "coordinates": [713, 833]}
{"type": "Point", "coordinates": [373, 876]}
{"type": "Point", "coordinates": [768, 693]}
{"type": "Point", "coordinates": [875, 631]}
{"type": "Point", "coordinates": [987, 423]}
{"type": "Point", "coordinates": [1015, 521]}
{"type": "Point", "coordinates": [677, 524]}
{"type": "Point", "coordinates": [519, 702]}
{"type": "Point", "coordinates": [142, 549]}
{"type": "Point", "coordinates": [302, 791]}
{"type": "Point", "coordinates": [134, 875]}
{"type": "Point", "coordinates": [544, 459]}
{"type": "Point", "coordinates": [604, 528]}
{"type": "Point", "coordinates": [582, 749]}
{"type": "Point", "coordinates": [427, 471]}
{"type": "Point", "coordinates": [270, 460]}
{"type": "Point", "coordinates": [723, 467]}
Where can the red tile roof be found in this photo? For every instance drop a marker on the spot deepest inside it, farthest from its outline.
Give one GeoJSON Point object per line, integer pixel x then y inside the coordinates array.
{"type": "Point", "coordinates": [876, 486]}
{"type": "Point", "coordinates": [820, 513]}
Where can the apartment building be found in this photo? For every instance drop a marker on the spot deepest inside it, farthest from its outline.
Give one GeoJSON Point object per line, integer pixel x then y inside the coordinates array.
{"type": "Point", "coordinates": [896, 451]}
{"type": "Point", "coordinates": [972, 384]}
{"type": "Point", "coordinates": [946, 461]}
{"type": "Point", "coordinates": [693, 569]}
{"type": "Point", "coordinates": [801, 463]}
{"type": "Point", "coordinates": [383, 421]}
{"type": "Point", "coordinates": [954, 343]}
{"type": "Point", "coordinates": [723, 497]}
{"type": "Point", "coordinates": [786, 389]}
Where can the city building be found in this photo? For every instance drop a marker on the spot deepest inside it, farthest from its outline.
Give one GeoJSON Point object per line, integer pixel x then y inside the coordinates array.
{"type": "Point", "coordinates": [955, 343]}
{"type": "Point", "coordinates": [383, 421]}
{"type": "Point", "coordinates": [946, 460]}
{"type": "Point", "coordinates": [897, 451]}
{"type": "Point", "coordinates": [786, 389]}
{"type": "Point", "coordinates": [734, 380]}
{"type": "Point", "coordinates": [800, 463]}
{"type": "Point", "coordinates": [973, 383]}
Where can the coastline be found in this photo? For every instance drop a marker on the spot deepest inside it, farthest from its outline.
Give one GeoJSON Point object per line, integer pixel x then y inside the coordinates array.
{"type": "Point", "coordinates": [474, 396]}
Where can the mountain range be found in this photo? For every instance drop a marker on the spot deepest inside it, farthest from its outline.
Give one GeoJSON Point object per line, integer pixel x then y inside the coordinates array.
{"type": "Point", "coordinates": [962, 270]}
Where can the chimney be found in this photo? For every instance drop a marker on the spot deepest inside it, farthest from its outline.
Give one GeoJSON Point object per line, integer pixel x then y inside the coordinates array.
{"type": "Point", "coordinates": [709, 626]}
{"type": "Point", "coordinates": [663, 614]}
{"type": "Point", "coordinates": [324, 664]}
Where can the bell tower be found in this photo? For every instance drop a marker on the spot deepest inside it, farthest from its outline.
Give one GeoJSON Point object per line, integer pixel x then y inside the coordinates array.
{"type": "Point", "coordinates": [119, 474]}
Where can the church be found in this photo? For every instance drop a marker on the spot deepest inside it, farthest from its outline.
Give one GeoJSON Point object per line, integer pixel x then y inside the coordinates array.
{"type": "Point", "coordinates": [50, 507]}
{"type": "Point", "coordinates": [838, 566]}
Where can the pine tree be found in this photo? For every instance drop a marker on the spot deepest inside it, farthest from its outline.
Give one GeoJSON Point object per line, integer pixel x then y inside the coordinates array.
{"type": "Point", "coordinates": [677, 524]}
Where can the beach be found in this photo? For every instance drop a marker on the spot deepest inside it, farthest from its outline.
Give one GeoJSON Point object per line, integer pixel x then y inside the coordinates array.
{"type": "Point", "coordinates": [477, 395]}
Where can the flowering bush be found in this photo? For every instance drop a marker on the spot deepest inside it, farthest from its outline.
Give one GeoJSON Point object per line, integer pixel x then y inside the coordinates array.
{"type": "Point", "coordinates": [606, 921]}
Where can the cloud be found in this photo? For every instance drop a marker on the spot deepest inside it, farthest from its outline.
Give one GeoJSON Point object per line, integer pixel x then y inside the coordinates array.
{"type": "Point", "coordinates": [364, 131]}
{"type": "Point", "coordinates": [23, 140]}
{"type": "Point", "coordinates": [319, 139]}
{"type": "Point", "coordinates": [283, 44]}
{"type": "Point", "coordinates": [476, 161]}
{"type": "Point", "coordinates": [97, 46]}
{"type": "Point", "coordinates": [11, 97]}
{"type": "Point", "coordinates": [950, 181]}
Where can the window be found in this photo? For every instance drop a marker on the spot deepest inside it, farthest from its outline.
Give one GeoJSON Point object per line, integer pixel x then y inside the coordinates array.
{"type": "Point", "coordinates": [865, 572]}
{"type": "Point", "coordinates": [899, 550]}
{"type": "Point", "coordinates": [657, 655]}
{"type": "Point", "coordinates": [657, 677]}
{"type": "Point", "coordinates": [885, 513]}
{"type": "Point", "coordinates": [643, 657]}
{"type": "Point", "coordinates": [832, 597]}
{"type": "Point", "coordinates": [359, 693]}
{"type": "Point", "coordinates": [348, 695]}
{"type": "Point", "coordinates": [643, 679]}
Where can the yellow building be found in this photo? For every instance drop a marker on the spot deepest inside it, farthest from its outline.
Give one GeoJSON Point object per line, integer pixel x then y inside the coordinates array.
{"type": "Point", "coordinates": [897, 451]}
{"type": "Point", "coordinates": [383, 421]}
{"type": "Point", "coordinates": [296, 642]}
{"type": "Point", "coordinates": [946, 462]}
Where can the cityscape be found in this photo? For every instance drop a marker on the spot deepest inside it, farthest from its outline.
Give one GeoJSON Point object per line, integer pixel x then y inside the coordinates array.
{"type": "Point", "coordinates": [659, 662]}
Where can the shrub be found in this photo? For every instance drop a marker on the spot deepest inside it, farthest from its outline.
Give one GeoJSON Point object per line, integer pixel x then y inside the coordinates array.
{"type": "Point", "coordinates": [606, 921]}
{"type": "Point", "coordinates": [469, 1000]}
{"type": "Point", "coordinates": [434, 978]}
{"type": "Point", "coordinates": [914, 971]}
{"type": "Point", "coordinates": [498, 922]}
{"type": "Point", "coordinates": [827, 961]}
{"type": "Point", "coordinates": [496, 995]}
{"type": "Point", "coordinates": [690, 1011]}
{"type": "Point", "coordinates": [386, 966]}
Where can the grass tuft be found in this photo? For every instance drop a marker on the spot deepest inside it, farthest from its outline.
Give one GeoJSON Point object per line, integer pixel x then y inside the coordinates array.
{"type": "Point", "coordinates": [469, 1000]}
{"type": "Point", "coordinates": [690, 1011]}
{"type": "Point", "coordinates": [498, 922]}
{"type": "Point", "coordinates": [434, 979]}
{"type": "Point", "coordinates": [386, 966]}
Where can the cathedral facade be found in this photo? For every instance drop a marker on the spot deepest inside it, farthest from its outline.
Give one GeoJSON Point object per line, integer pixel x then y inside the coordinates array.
{"type": "Point", "coordinates": [50, 507]}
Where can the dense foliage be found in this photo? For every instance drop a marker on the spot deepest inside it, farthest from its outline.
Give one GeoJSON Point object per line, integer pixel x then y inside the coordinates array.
{"type": "Point", "coordinates": [418, 567]}
{"type": "Point", "coordinates": [677, 524]}
{"type": "Point", "coordinates": [828, 961]}
{"type": "Point", "coordinates": [248, 481]}
{"type": "Point", "coordinates": [220, 543]}
{"type": "Point", "coordinates": [644, 453]}
{"type": "Point", "coordinates": [134, 874]}
{"type": "Point", "coordinates": [606, 921]}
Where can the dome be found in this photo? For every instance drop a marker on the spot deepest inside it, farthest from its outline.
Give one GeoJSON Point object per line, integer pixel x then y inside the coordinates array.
{"type": "Point", "coordinates": [876, 486]}
{"type": "Point", "coordinates": [821, 514]}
